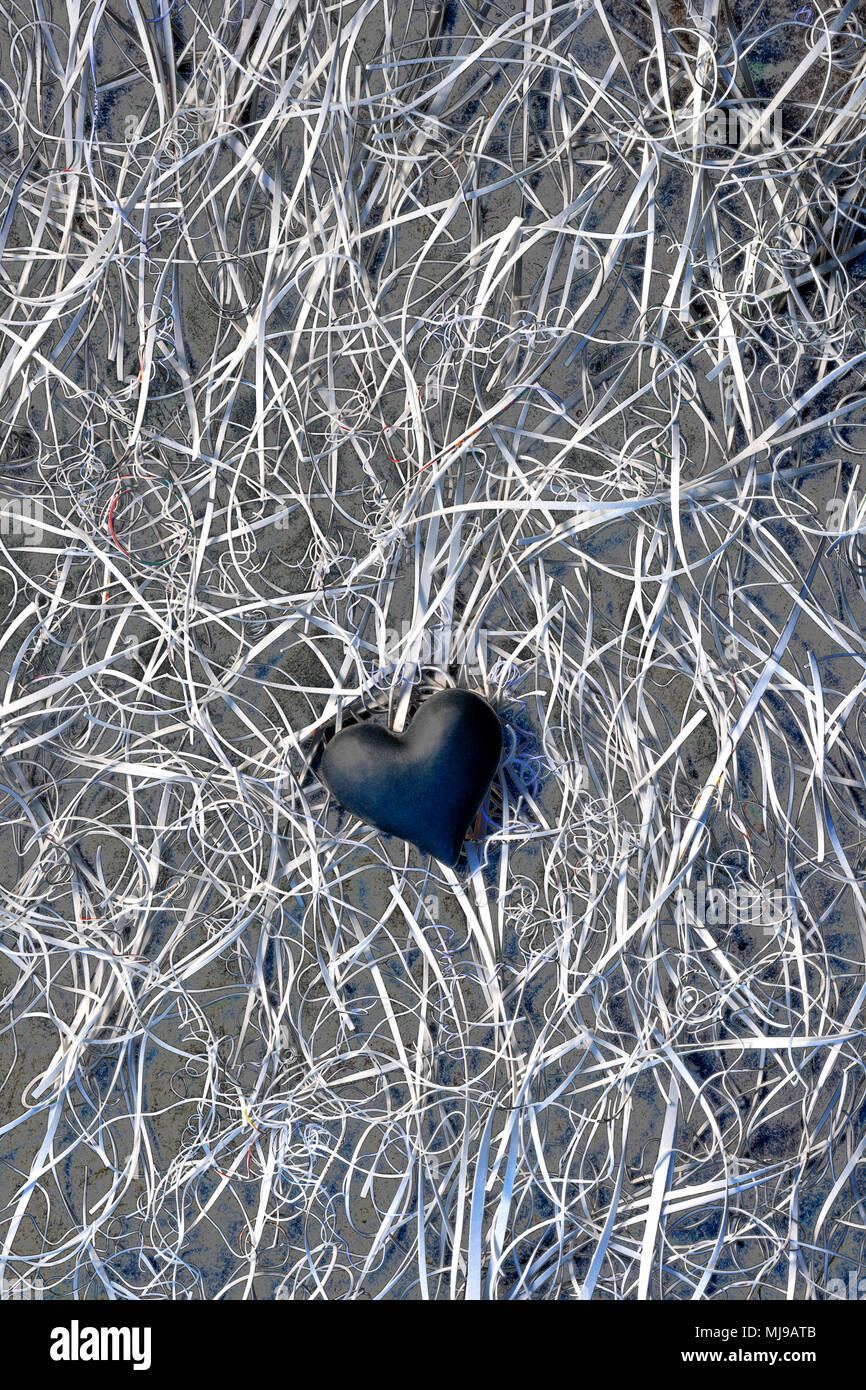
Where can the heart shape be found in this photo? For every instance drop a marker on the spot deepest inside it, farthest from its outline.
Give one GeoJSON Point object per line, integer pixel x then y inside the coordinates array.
{"type": "Point", "coordinates": [425, 785]}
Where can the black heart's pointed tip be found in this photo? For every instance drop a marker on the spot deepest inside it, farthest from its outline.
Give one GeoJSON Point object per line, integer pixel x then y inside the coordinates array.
{"type": "Point", "coordinates": [445, 852]}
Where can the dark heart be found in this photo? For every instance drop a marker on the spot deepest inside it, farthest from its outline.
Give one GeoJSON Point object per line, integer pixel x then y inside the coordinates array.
{"type": "Point", "coordinates": [425, 785]}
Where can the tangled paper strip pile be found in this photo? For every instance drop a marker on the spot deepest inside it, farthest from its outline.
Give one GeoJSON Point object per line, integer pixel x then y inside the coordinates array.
{"type": "Point", "coordinates": [348, 351]}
